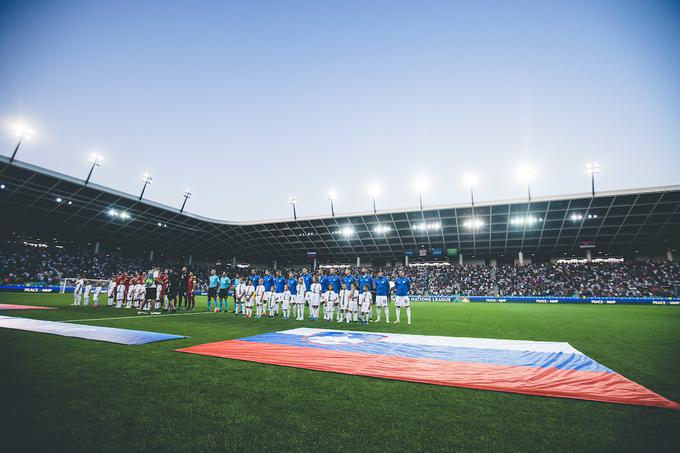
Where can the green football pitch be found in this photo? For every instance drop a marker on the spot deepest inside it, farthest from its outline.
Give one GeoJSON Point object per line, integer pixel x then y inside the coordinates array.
{"type": "Point", "coordinates": [62, 393]}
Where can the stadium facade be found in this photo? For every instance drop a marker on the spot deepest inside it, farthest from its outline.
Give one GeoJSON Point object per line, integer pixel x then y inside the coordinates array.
{"type": "Point", "coordinates": [43, 204]}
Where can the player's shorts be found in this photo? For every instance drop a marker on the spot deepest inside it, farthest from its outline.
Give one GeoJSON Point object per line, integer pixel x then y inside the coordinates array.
{"type": "Point", "coordinates": [285, 304]}
{"type": "Point", "coordinates": [366, 307]}
{"type": "Point", "coordinates": [212, 292]}
{"type": "Point", "coordinates": [272, 302]}
{"type": "Point", "coordinates": [224, 292]}
{"type": "Point", "coordinates": [278, 297]}
{"type": "Point", "coordinates": [299, 298]}
{"type": "Point", "coordinates": [267, 295]}
{"type": "Point", "coordinates": [381, 301]}
{"type": "Point", "coordinates": [344, 304]}
{"type": "Point", "coordinates": [353, 305]}
{"type": "Point", "coordinates": [403, 301]}
{"type": "Point", "coordinates": [314, 300]}
{"type": "Point", "coordinates": [249, 302]}
{"type": "Point", "coordinates": [150, 293]}
{"type": "Point", "coordinates": [258, 300]}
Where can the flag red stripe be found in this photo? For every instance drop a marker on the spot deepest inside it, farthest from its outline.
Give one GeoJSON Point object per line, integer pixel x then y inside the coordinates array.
{"type": "Point", "coordinates": [585, 385]}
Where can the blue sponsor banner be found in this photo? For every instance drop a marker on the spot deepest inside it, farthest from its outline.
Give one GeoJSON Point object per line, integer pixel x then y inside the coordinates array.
{"type": "Point", "coordinates": [436, 251]}
{"type": "Point", "coordinates": [549, 300]}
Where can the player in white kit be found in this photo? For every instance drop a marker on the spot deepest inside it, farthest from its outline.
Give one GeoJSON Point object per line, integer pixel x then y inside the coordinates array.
{"type": "Point", "coordinates": [353, 306]}
{"type": "Point", "coordinates": [130, 295]}
{"type": "Point", "coordinates": [111, 291]}
{"type": "Point", "coordinates": [250, 297]}
{"type": "Point", "coordinates": [314, 299]}
{"type": "Point", "coordinates": [240, 298]}
{"type": "Point", "coordinates": [120, 295]}
{"type": "Point", "coordinates": [86, 293]}
{"type": "Point", "coordinates": [95, 296]}
{"type": "Point", "coordinates": [78, 291]}
{"type": "Point", "coordinates": [330, 298]}
{"type": "Point", "coordinates": [139, 295]}
{"type": "Point", "coordinates": [259, 295]}
{"type": "Point", "coordinates": [343, 299]}
{"type": "Point", "coordinates": [299, 302]}
{"type": "Point", "coordinates": [285, 302]}
{"type": "Point", "coordinates": [365, 299]}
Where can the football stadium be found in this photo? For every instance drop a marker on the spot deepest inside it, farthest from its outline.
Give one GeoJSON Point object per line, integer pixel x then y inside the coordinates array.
{"type": "Point", "coordinates": [336, 277]}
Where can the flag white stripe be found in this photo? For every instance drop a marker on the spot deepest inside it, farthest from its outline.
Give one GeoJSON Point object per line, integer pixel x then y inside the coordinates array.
{"type": "Point", "coordinates": [461, 342]}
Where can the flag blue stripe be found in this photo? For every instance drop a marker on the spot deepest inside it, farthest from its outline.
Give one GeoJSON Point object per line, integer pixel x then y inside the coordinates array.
{"type": "Point", "coordinates": [559, 360]}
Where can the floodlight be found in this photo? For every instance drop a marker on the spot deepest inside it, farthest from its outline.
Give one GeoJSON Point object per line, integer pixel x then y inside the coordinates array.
{"type": "Point", "coordinates": [347, 231]}
{"type": "Point", "coordinates": [469, 179]}
{"type": "Point", "coordinates": [592, 169]}
{"type": "Point", "coordinates": [332, 194]}
{"type": "Point", "coordinates": [526, 173]}
{"type": "Point", "coordinates": [421, 184]}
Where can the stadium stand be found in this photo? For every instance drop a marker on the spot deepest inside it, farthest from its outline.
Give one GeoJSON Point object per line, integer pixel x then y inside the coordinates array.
{"type": "Point", "coordinates": [24, 263]}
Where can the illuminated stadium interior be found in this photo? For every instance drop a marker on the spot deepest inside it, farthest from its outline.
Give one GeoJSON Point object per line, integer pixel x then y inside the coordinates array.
{"type": "Point", "coordinates": [627, 222]}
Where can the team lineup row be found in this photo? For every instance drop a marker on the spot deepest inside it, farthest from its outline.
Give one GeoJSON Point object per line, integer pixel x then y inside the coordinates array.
{"type": "Point", "coordinates": [348, 299]}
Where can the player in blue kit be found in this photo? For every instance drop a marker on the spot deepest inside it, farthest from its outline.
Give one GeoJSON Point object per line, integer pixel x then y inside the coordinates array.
{"type": "Point", "coordinates": [268, 282]}
{"type": "Point", "coordinates": [213, 283]}
{"type": "Point", "coordinates": [382, 296]}
{"type": "Point", "coordinates": [224, 292]}
{"type": "Point", "coordinates": [279, 283]}
{"type": "Point", "coordinates": [307, 278]}
{"type": "Point", "coordinates": [402, 286]}
{"type": "Point", "coordinates": [254, 278]}
{"type": "Point", "coordinates": [292, 287]}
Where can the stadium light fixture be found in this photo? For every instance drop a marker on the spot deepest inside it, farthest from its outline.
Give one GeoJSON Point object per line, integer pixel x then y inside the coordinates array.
{"type": "Point", "coordinates": [528, 220]}
{"type": "Point", "coordinates": [58, 200]}
{"type": "Point", "coordinates": [473, 223]}
{"type": "Point", "coordinates": [347, 231]}
{"type": "Point", "coordinates": [382, 229]}
{"type": "Point", "coordinates": [292, 200]}
{"type": "Point", "coordinates": [331, 197]}
{"type": "Point", "coordinates": [421, 184]}
{"type": "Point", "coordinates": [374, 191]}
{"type": "Point", "coordinates": [2, 186]}
{"type": "Point", "coordinates": [426, 226]}
{"type": "Point", "coordinates": [147, 178]}
{"type": "Point", "coordinates": [592, 170]}
{"type": "Point", "coordinates": [526, 174]}
{"type": "Point", "coordinates": [96, 161]}
{"type": "Point", "coordinates": [22, 132]}
{"type": "Point", "coordinates": [187, 195]}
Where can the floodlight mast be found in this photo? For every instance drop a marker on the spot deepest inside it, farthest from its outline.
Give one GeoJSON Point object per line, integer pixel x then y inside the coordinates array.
{"type": "Point", "coordinates": [331, 197]}
{"type": "Point", "coordinates": [187, 195]}
{"type": "Point", "coordinates": [526, 173]}
{"type": "Point", "coordinates": [292, 200]}
{"type": "Point", "coordinates": [147, 180]}
{"type": "Point", "coordinates": [373, 190]}
{"type": "Point", "coordinates": [23, 133]}
{"type": "Point", "coordinates": [420, 185]}
{"type": "Point", "coordinates": [592, 169]}
{"type": "Point", "coordinates": [96, 161]}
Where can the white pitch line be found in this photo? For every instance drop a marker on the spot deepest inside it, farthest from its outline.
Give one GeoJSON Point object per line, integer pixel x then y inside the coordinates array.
{"type": "Point", "coordinates": [139, 317]}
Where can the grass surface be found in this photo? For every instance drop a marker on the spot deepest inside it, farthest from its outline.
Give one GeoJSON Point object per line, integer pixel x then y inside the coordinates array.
{"type": "Point", "coordinates": [63, 393]}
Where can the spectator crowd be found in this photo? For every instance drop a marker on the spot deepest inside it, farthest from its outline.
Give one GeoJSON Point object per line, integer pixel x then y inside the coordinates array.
{"type": "Point", "coordinates": [21, 263]}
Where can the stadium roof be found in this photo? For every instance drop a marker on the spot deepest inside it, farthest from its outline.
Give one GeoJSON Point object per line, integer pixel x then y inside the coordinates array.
{"type": "Point", "coordinates": [614, 222]}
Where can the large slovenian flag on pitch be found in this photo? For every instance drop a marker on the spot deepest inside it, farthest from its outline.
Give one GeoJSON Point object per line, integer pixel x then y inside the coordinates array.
{"type": "Point", "coordinates": [517, 366]}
